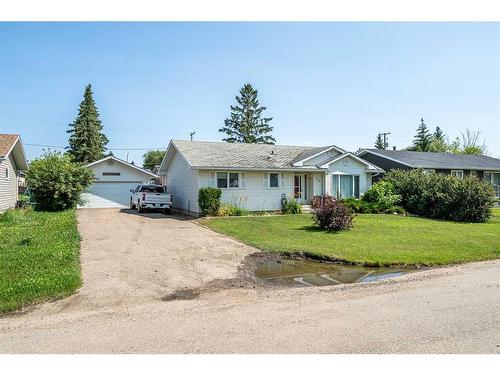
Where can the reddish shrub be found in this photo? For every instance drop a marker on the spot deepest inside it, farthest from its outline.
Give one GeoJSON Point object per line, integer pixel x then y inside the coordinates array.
{"type": "Point", "coordinates": [333, 216]}
{"type": "Point", "coordinates": [321, 200]}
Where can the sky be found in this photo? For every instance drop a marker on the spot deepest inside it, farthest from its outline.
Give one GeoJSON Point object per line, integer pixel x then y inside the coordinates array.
{"type": "Point", "coordinates": [323, 83]}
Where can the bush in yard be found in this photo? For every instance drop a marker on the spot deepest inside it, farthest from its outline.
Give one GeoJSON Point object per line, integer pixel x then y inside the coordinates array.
{"type": "Point", "coordinates": [360, 206]}
{"type": "Point", "coordinates": [333, 216]}
{"type": "Point", "coordinates": [382, 194]}
{"type": "Point", "coordinates": [209, 200]}
{"type": "Point", "coordinates": [319, 200]}
{"type": "Point", "coordinates": [292, 206]}
{"type": "Point", "coordinates": [231, 210]}
{"type": "Point", "coordinates": [443, 196]}
{"type": "Point", "coordinates": [473, 199]}
{"type": "Point", "coordinates": [56, 183]}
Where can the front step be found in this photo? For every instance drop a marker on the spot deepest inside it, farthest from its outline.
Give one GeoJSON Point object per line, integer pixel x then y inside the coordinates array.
{"type": "Point", "coordinates": [307, 209]}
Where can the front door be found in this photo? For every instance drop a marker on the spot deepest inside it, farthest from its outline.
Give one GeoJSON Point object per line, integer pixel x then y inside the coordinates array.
{"type": "Point", "coordinates": [299, 187]}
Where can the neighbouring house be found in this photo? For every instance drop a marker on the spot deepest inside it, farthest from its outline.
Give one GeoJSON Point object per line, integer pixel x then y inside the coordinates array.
{"type": "Point", "coordinates": [113, 179]}
{"type": "Point", "coordinates": [12, 161]}
{"type": "Point", "coordinates": [257, 176]}
{"type": "Point", "coordinates": [459, 165]}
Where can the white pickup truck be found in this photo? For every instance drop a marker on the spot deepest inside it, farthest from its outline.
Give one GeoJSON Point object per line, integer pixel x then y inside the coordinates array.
{"type": "Point", "coordinates": [150, 196]}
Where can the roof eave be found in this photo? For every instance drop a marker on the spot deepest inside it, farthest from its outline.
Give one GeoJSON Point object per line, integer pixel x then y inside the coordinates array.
{"type": "Point", "coordinates": [223, 168]}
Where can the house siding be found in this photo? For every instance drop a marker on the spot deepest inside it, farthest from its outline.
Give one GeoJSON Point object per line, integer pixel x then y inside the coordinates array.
{"type": "Point", "coordinates": [182, 182]}
{"type": "Point", "coordinates": [354, 168]}
{"type": "Point", "coordinates": [127, 174]}
{"type": "Point", "coordinates": [254, 196]}
{"type": "Point", "coordinates": [8, 187]}
{"type": "Point", "coordinates": [320, 159]}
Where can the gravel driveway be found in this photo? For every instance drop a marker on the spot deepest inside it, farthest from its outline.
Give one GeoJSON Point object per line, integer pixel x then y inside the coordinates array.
{"type": "Point", "coordinates": [130, 261]}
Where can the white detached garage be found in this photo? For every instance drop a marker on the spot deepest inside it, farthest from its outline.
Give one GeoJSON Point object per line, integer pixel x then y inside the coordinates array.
{"type": "Point", "coordinates": [113, 180]}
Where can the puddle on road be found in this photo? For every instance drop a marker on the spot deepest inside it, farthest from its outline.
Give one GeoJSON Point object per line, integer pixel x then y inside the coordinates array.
{"type": "Point", "coordinates": [312, 273]}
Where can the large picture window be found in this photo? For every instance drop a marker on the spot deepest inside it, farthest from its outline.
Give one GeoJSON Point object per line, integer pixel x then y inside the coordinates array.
{"type": "Point", "coordinates": [345, 186]}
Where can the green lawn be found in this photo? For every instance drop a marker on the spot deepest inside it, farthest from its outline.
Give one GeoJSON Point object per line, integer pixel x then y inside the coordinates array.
{"type": "Point", "coordinates": [374, 240]}
{"type": "Point", "coordinates": [39, 257]}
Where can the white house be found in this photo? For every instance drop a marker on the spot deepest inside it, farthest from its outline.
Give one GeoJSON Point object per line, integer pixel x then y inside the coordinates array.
{"type": "Point", "coordinates": [12, 161]}
{"type": "Point", "coordinates": [256, 176]}
{"type": "Point", "coordinates": [113, 179]}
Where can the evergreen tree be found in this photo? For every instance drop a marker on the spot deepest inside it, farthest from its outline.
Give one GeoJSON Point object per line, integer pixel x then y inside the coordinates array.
{"type": "Point", "coordinates": [379, 143]}
{"type": "Point", "coordinates": [245, 124]}
{"type": "Point", "coordinates": [87, 143]}
{"type": "Point", "coordinates": [438, 134]}
{"type": "Point", "coordinates": [422, 139]}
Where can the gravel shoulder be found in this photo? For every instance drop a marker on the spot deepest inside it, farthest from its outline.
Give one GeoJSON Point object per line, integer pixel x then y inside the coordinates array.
{"type": "Point", "coordinates": [130, 262]}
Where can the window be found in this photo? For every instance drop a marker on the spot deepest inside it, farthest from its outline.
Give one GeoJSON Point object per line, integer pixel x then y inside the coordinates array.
{"type": "Point", "coordinates": [222, 180]}
{"type": "Point", "coordinates": [429, 171]}
{"type": "Point", "coordinates": [228, 180]}
{"type": "Point", "coordinates": [233, 180]}
{"type": "Point", "coordinates": [152, 189]}
{"type": "Point", "coordinates": [6, 173]}
{"type": "Point", "coordinates": [458, 173]}
{"type": "Point", "coordinates": [274, 180]}
{"type": "Point", "coordinates": [110, 173]}
{"type": "Point", "coordinates": [494, 179]}
{"type": "Point", "coordinates": [345, 186]}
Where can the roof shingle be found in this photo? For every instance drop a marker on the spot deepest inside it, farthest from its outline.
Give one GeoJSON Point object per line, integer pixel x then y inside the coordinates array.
{"type": "Point", "coordinates": [441, 160]}
{"type": "Point", "coordinates": [201, 154]}
{"type": "Point", "coordinates": [6, 143]}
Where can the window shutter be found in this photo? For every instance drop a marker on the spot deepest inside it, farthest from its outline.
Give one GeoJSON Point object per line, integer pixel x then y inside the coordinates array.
{"type": "Point", "coordinates": [212, 179]}
{"type": "Point", "coordinates": [265, 182]}
{"type": "Point", "coordinates": [243, 180]}
{"type": "Point", "coordinates": [282, 180]}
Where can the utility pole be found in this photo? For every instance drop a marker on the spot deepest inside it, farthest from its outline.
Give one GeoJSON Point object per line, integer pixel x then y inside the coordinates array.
{"type": "Point", "coordinates": [386, 144]}
{"type": "Point", "coordinates": [191, 134]}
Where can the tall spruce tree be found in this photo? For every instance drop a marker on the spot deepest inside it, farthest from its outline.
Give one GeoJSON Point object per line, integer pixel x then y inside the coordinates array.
{"type": "Point", "coordinates": [246, 124]}
{"type": "Point", "coordinates": [438, 134]}
{"type": "Point", "coordinates": [379, 142]}
{"type": "Point", "coordinates": [422, 140]}
{"type": "Point", "coordinates": [87, 143]}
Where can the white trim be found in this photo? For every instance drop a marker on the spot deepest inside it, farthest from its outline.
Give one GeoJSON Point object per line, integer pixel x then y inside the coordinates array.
{"type": "Point", "coordinates": [301, 162]}
{"type": "Point", "coordinates": [269, 181]}
{"type": "Point", "coordinates": [122, 162]}
{"type": "Point", "coordinates": [11, 147]}
{"type": "Point", "coordinates": [14, 144]}
{"type": "Point", "coordinates": [353, 184]}
{"type": "Point", "coordinates": [297, 170]}
{"type": "Point", "coordinates": [371, 167]}
{"type": "Point", "coordinates": [239, 187]}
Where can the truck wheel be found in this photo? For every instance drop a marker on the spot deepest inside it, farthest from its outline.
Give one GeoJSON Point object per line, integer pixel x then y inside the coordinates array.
{"type": "Point", "coordinates": [132, 205]}
{"type": "Point", "coordinates": [139, 208]}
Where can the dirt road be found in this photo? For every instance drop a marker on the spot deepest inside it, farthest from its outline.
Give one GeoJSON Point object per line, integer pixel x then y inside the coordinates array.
{"type": "Point", "coordinates": [129, 262]}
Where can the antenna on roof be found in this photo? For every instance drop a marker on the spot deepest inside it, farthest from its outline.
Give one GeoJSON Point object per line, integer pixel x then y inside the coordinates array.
{"type": "Point", "coordinates": [191, 134]}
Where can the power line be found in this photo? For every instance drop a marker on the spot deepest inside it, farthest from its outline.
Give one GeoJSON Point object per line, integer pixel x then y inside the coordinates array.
{"type": "Point", "coordinates": [111, 149]}
{"type": "Point", "coordinates": [55, 123]}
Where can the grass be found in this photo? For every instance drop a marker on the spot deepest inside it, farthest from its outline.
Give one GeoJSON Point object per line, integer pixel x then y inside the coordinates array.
{"type": "Point", "coordinates": [39, 257]}
{"type": "Point", "coordinates": [375, 240]}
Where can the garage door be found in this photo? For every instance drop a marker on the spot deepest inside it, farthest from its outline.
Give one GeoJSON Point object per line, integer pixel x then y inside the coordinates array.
{"type": "Point", "coordinates": [108, 194]}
